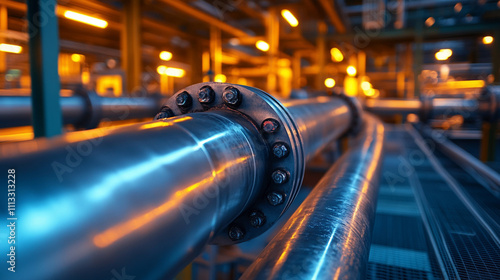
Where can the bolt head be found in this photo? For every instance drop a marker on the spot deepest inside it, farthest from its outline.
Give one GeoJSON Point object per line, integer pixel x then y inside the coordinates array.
{"type": "Point", "coordinates": [206, 95]}
{"type": "Point", "coordinates": [257, 219]}
{"type": "Point", "coordinates": [270, 125]}
{"type": "Point", "coordinates": [280, 150]}
{"type": "Point", "coordinates": [280, 176]}
{"type": "Point", "coordinates": [236, 233]}
{"type": "Point", "coordinates": [184, 100]}
{"type": "Point", "coordinates": [275, 198]}
{"type": "Point", "coordinates": [232, 96]}
{"type": "Point", "coordinates": [164, 113]}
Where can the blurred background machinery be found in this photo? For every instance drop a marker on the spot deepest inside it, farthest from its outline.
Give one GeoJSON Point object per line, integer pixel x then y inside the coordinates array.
{"type": "Point", "coordinates": [228, 139]}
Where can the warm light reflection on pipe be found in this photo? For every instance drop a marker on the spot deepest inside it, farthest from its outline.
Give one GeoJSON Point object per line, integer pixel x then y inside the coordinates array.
{"type": "Point", "coordinates": [117, 232]}
{"type": "Point", "coordinates": [85, 19]}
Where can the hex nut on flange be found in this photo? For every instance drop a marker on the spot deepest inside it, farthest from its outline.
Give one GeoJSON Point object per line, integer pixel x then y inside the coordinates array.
{"type": "Point", "coordinates": [236, 233]}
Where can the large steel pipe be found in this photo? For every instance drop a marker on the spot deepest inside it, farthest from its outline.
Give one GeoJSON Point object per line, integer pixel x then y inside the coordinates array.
{"type": "Point", "coordinates": [80, 110]}
{"type": "Point", "coordinates": [16, 110]}
{"type": "Point", "coordinates": [144, 199]}
{"type": "Point", "coordinates": [330, 118]}
{"type": "Point", "coordinates": [329, 236]}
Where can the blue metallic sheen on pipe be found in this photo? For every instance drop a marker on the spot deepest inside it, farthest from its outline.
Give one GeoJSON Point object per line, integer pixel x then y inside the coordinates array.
{"type": "Point", "coordinates": [329, 236]}
{"type": "Point", "coordinates": [144, 198]}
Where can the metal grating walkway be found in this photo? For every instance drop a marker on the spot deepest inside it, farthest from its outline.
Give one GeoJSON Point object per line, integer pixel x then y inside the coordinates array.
{"type": "Point", "coordinates": [433, 221]}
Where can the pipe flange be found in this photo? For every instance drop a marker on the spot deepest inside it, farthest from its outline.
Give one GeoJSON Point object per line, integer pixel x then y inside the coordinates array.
{"type": "Point", "coordinates": [426, 107]}
{"type": "Point", "coordinates": [93, 109]}
{"type": "Point", "coordinates": [286, 159]}
{"type": "Point", "coordinates": [489, 103]}
{"type": "Point", "coordinates": [356, 109]}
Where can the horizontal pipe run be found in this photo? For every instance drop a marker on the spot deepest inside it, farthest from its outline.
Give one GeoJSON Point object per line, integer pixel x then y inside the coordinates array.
{"type": "Point", "coordinates": [95, 201]}
{"type": "Point", "coordinates": [466, 160]}
{"type": "Point", "coordinates": [392, 106]}
{"type": "Point", "coordinates": [329, 236]}
{"type": "Point", "coordinates": [328, 117]}
{"type": "Point", "coordinates": [428, 108]}
{"type": "Point", "coordinates": [16, 110]}
{"type": "Point", "coordinates": [147, 197]}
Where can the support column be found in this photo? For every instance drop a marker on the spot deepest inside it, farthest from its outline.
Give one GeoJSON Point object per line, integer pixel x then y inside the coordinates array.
{"type": "Point", "coordinates": [495, 55]}
{"type": "Point", "coordinates": [196, 59]}
{"type": "Point", "coordinates": [296, 69]}
{"type": "Point", "coordinates": [273, 33]}
{"type": "Point", "coordinates": [131, 44]}
{"type": "Point", "coordinates": [215, 51]}
{"type": "Point", "coordinates": [419, 52]}
{"type": "Point", "coordinates": [44, 52]}
{"type": "Point", "coordinates": [320, 55]}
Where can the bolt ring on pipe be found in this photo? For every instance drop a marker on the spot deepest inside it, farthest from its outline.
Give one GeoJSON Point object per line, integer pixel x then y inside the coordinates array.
{"type": "Point", "coordinates": [258, 107]}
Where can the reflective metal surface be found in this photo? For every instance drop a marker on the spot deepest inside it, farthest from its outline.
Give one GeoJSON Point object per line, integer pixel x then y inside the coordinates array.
{"type": "Point", "coordinates": [328, 237]}
{"type": "Point", "coordinates": [16, 110]}
{"type": "Point", "coordinates": [392, 106]}
{"type": "Point", "coordinates": [465, 159]}
{"type": "Point", "coordinates": [320, 120]}
{"type": "Point", "coordinates": [145, 198]}
{"type": "Point", "coordinates": [426, 108]}
{"type": "Point", "coordinates": [96, 201]}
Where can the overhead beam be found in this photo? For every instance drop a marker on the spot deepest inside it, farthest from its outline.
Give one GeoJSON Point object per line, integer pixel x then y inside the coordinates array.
{"type": "Point", "coordinates": [408, 34]}
{"type": "Point", "coordinates": [195, 13]}
{"type": "Point", "coordinates": [333, 15]}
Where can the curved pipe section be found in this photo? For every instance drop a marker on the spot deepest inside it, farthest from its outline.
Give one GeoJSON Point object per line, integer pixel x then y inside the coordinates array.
{"type": "Point", "coordinates": [329, 236]}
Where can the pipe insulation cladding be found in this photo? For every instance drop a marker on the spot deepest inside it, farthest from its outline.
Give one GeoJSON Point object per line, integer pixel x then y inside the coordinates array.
{"type": "Point", "coordinates": [220, 165]}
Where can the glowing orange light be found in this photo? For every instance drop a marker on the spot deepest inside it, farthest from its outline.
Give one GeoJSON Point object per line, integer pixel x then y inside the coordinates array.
{"type": "Point", "coordinates": [487, 40]}
{"type": "Point", "coordinates": [351, 71]}
{"type": "Point", "coordinates": [288, 16]}
{"type": "Point", "coordinates": [337, 55]}
{"type": "Point", "coordinates": [329, 82]}
{"type": "Point", "coordinates": [262, 45]}
{"type": "Point", "coordinates": [85, 19]}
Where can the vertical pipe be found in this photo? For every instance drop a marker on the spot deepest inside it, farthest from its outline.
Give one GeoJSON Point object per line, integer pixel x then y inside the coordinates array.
{"type": "Point", "coordinates": [215, 50]}
{"type": "Point", "coordinates": [418, 58]}
{"type": "Point", "coordinates": [296, 69]}
{"type": "Point", "coordinates": [131, 44]}
{"type": "Point", "coordinates": [320, 54]}
{"type": "Point", "coordinates": [329, 236]}
{"type": "Point", "coordinates": [273, 41]}
{"type": "Point", "coordinates": [44, 52]}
